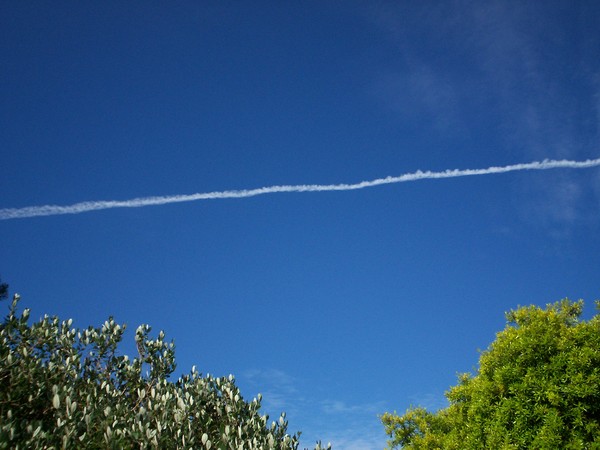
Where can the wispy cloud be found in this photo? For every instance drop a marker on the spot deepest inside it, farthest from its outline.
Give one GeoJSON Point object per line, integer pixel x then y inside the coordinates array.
{"type": "Point", "coordinates": [341, 407]}
{"type": "Point", "coordinates": [344, 425]}
{"type": "Point", "coordinates": [520, 72]}
{"type": "Point", "coordinates": [77, 208]}
{"type": "Point", "coordinates": [360, 439]}
{"type": "Point", "coordinates": [278, 389]}
{"type": "Point", "coordinates": [512, 64]}
{"type": "Point", "coordinates": [353, 426]}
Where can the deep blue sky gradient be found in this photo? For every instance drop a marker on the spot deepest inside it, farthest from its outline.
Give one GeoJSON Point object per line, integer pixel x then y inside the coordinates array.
{"type": "Point", "coordinates": [336, 306]}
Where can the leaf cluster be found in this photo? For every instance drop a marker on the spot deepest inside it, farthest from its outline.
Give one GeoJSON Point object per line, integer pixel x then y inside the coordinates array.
{"type": "Point", "coordinates": [537, 386]}
{"type": "Point", "coordinates": [62, 387]}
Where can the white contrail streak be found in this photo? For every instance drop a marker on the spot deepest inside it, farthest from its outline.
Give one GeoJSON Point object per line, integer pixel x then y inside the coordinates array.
{"type": "Point", "coordinates": [53, 210]}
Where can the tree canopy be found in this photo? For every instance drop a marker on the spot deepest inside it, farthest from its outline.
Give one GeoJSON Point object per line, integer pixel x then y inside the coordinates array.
{"type": "Point", "coordinates": [63, 387]}
{"type": "Point", "coordinates": [537, 386]}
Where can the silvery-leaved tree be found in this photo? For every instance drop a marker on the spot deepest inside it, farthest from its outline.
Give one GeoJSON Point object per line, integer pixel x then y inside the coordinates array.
{"type": "Point", "coordinates": [62, 387]}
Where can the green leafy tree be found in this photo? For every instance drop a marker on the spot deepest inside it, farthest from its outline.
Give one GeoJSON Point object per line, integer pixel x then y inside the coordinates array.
{"type": "Point", "coordinates": [61, 387]}
{"type": "Point", "coordinates": [537, 386]}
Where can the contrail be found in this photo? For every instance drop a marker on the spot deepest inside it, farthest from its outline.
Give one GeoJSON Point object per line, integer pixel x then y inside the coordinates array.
{"type": "Point", "coordinates": [53, 210]}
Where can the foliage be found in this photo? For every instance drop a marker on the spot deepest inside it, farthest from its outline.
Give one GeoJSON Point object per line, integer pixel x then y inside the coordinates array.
{"type": "Point", "coordinates": [3, 290]}
{"type": "Point", "coordinates": [61, 387]}
{"type": "Point", "coordinates": [537, 386]}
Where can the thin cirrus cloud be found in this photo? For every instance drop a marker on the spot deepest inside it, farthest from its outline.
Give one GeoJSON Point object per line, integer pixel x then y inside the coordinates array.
{"type": "Point", "coordinates": [77, 208]}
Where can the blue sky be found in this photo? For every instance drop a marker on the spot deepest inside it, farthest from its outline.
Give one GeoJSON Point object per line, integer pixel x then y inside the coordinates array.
{"type": "Point", "coordinates": [336, 306]}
